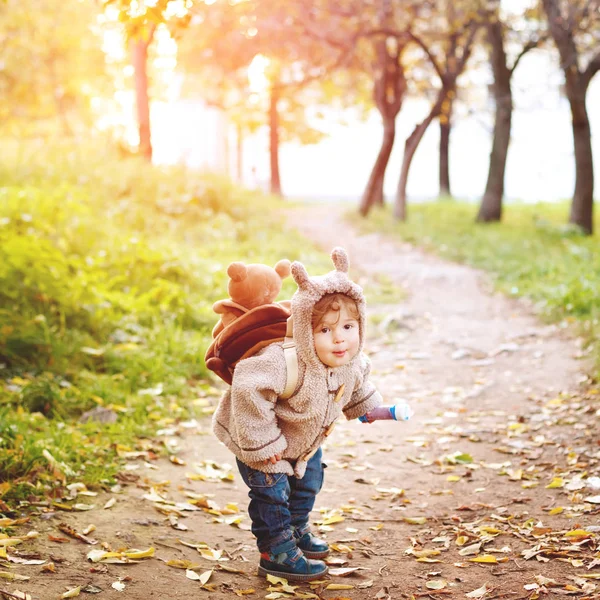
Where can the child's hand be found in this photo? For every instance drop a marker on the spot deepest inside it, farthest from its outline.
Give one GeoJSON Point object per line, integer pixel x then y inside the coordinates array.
{"type": "Point", "coordinates": [273, 459]}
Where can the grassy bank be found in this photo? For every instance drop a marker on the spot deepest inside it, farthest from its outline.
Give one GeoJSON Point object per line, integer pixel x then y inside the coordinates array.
{"type": "Point", "coordinates": [531, 253]}
{"type": "Point", "coordinates": [108, 271]}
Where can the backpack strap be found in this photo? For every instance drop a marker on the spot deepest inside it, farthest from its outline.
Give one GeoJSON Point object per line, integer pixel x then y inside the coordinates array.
{"type": "Point", "coordinates": [291, 361]}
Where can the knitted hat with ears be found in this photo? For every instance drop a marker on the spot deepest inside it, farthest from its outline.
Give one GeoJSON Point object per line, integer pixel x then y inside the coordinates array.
{"type": "Point", "coordinates": [311, 290]}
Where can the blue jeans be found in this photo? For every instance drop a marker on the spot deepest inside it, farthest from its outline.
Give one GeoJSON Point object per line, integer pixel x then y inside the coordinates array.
{"type": "Point", "coordinates": [280, 503]}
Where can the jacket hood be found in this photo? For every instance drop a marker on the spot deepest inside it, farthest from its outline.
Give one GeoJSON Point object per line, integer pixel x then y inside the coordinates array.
{"type": "Point", "coordinates": [310, 291]}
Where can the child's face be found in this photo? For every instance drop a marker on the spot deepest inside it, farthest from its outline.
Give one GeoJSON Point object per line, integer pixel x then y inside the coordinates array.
{"type": "Point", "coordinates": [337, 338]}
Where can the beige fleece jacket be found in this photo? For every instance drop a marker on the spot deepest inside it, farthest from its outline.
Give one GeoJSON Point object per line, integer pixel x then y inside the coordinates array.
{"type": "Point", "coordinates": [251, 419]}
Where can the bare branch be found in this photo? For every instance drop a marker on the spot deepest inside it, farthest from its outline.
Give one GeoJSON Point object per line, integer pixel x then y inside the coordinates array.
{"type": "Point", "coordinates": [592, 68]}
{"type": "Point", "coordinates": [430, 56]}
{"type": "Point", "coordinates": [530, 45]}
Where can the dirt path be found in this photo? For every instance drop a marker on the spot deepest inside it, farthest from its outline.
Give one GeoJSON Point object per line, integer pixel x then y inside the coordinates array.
{"type": "Point", "coordinates": [499, 416]}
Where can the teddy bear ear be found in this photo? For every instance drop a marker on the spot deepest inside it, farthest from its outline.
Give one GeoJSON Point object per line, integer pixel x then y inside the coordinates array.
{"type": "Point", "coordinates": [300, 275]}
{"type": "Point", "coordinates": [283, 268]}
{"type": "Point", "coordinates": [340, 259]}
{"type": "Point", "coordinates": [237, 271]}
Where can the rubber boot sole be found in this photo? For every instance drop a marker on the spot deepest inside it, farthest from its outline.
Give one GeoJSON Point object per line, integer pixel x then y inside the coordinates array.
{"type": "Point", "coordinates": [292, 576]}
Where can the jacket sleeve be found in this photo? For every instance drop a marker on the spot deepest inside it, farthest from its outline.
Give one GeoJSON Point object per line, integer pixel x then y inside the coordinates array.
{"type": "Point", "coordinates": [257, 383]}
{"type": "Point", "coordinates": [365, 396]}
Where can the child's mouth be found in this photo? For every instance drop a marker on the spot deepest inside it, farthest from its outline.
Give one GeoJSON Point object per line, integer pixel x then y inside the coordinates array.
{"type": "Point", "coordinates": [340, 353]}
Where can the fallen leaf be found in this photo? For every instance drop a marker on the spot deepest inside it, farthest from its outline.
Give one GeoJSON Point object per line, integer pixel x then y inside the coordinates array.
{"type": "Point", "coordinates": [13, 576]}
{"type": "Point", "coordinates": [484, 558]}
{"type": "Point", "coordinates": [339, 586]}
{"type": "Point", "coordinates": [479, 592]}
{"type": "Point", "coordinates": [181, 564]}
{"type": "Point", "coordinates": [343, 572]}
{"type": "Point", "coordinates": [72, 593]}
{"type": "Point", "coordinates": [436, 584]}
{"type": "Point", "coordinates": [276, 580]}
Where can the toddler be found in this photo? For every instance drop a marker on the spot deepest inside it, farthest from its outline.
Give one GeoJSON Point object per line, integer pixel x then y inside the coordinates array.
{"type": "Point", "coordinates": [277, 442]}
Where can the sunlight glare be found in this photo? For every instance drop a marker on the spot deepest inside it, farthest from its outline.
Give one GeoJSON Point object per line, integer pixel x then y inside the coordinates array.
{"type": "Point", "coordinates": [257, 77]}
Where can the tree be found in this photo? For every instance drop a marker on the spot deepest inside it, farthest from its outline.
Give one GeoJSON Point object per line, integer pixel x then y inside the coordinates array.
{"type": "Point", "coordinates": [448, 49]}
{"type": "Point", "coordinates": [389, 89]}
{"type": "Point", "coordinates": [571, 24]}
{"type": "Point", "coordinates": [222, 42]}
{"type": "Point", "coordinates": [141, 20]}
{"type": "Point", "coordinates": [497, 30]}
{"type": "Point", "coordinates": [139, 59]}
{"type": "Point", "coordinates": [52, 66]}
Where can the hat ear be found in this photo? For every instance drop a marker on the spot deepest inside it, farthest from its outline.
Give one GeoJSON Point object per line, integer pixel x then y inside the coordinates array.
{"type": "Point", "coordinates": [300, 275]}
{"type": "Point", "coordinates": [237, 271]}
{"type": "Point", "coordinates": [340, 259]}
{"type": "Point", "coordinates": [282, 268]}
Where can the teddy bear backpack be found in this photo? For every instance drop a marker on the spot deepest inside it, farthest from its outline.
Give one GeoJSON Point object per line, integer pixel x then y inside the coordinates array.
{"type": "Point", "coordinates": [250, 320]}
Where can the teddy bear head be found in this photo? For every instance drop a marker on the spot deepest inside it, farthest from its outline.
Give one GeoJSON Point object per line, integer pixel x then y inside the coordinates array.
{"type": "Point", "coordinates": [255, 284]}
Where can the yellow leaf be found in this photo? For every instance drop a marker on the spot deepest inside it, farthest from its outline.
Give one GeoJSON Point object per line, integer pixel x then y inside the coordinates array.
{"type": "Point", "coordinates": [377, 527]}
{"type": "Point", "coordinates": [10, 542]}
{"type": "Point", "coordinates": [453, 478]}
{"type": "Point", "coordinates": [273, 579]}
{"type": "Point", "coordinates": [181, 564]}
{"type": "Point", "coordinates": [428, 560]}
{"type": "Point", "coordinates": [244, 592]}
{"type": "Point", "coordinates": [415, 520]}
{"type": "Point", "coordinates": [425, 553]}
{"type": "Point", "coordinates": [332, 519]}
{"type": "Point", "coordinates": [210, 554]}
{"type": "Point", "coordinates": [139, 553]}
{"type": "Point", "coordinates": [557, 482]}
{"type": "Point", "coordinates": [578, 533]}
{"type": "Point", "coordinates": [13, 576]}
{"type": "Point", "coordinates": [484, 558]}
{"type": "Point", "coordinates": [461, 540]}
{"type": "Point", "coordinates": [339, 586]}
{"type": "Point", "coordinates": [341, 548]}
{"type": "Point", "coordinates": [72, 593]}
{"type": "Point", "coordinates": [556, 511]}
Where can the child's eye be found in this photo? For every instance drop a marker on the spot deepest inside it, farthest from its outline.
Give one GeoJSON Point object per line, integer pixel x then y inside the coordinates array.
{"type": "Point", "coordinates": [348, 326]}
{"type": "Point", "coordinates": [324, 329]}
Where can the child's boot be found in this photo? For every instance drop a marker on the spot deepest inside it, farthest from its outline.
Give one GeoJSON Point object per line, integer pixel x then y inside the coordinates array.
{"type": "Point", "coordinates": [310, 544]}
{"type": "Point", "coordinates": [286, 560]}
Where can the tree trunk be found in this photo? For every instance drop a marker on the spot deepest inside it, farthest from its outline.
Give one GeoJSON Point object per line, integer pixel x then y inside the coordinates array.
{"type": "Point", "coordinates": [490, 208]}
{"type": "Point", "coordinates": [274, 142]}
{"type": "Point", "coordinates": [410, 147]}
{"type": "Point", "coordinates": [576, 86]}
{"type": "Point", "coordinates": [139, 58]}
{"type": "Point", "coordinates": [582, 206]}
{"type": "Point", "coordinates": [445, 155]}
{"type": "Point", "coordinates": [373, 193]}
{"type": "Point", "coordinates": [239, 146]}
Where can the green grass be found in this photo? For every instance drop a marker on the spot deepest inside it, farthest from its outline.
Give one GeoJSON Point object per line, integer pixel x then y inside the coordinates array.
{"type": "Point", "coordinates": [531, 253]}
{"type": "Point", "coordinates": [108, 272]}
